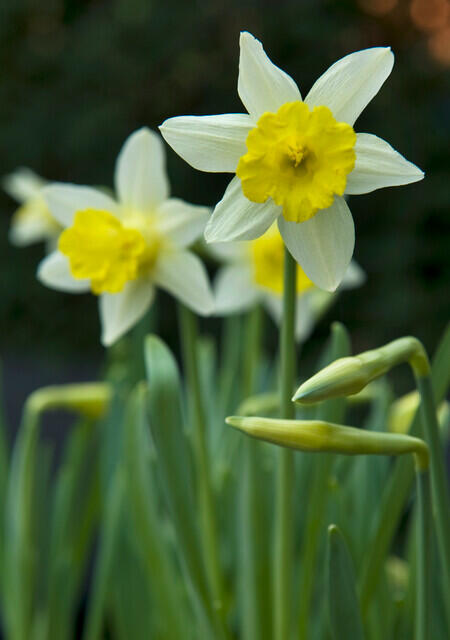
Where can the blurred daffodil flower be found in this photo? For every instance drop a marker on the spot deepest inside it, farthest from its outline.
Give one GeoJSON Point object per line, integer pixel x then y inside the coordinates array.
{"type": "Point", "coordinates": [32, 221]}
{"type": "Point", "coordinates": [253, 274]}
{"type": "Point", "coordinates": [121, 249]}
{"type": "Point", "coordinates": [295, 159]}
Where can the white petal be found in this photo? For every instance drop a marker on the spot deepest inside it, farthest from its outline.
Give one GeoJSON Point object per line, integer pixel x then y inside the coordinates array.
{"type": "Point", "coordinates": [182, 222]}
{"type": "Point", "coordinates": [354, 277]}
{"type": "Point", "coordinates": [261, 85]}
{"type": "Point", "coordinates": [349, 84]}
{"type": "Point", "coordinates": [228, 251]}
{"type": "Point", "coordinates": [140, 176]}
{"type": "Point", "coordinates": [379, 165]}
{"type": "Point", "coordinates": [304, 316]}
{"type": "Point", "coordinates": [121, 311]}
{"type": "Point", "coordinates": [64, 200]}
{"type": "Point", "coordinates": [22, 184]}
{"type": "Point", "coordinates": [183, 275]}
{"type": "Point", "coordinates": [30, 228]}
{"type": "Point", "coordinates": [209, 143]}
{"type": "Point", "coordinates": [54, 272]}
{"type": "Point", "coordinates": [323, 245]}
{"type": "Point", "coordinates": [234, 290]}
{"type": "Point", "coordinates": [236, 218]}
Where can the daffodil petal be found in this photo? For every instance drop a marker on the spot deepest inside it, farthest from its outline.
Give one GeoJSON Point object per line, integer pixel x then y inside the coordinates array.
{"type": "Point", "coordinates": [209, 143]}
{"type": "Point", "coordinates": [121, 311]}
{"type": "Point", "coordinates": [64, 200]}
{"type": "Point", "coordinates": [236, 218]}
{"type": "Point", "coordinates": [182, 222]}
{"type": "Point", "coordinates": [54, 272]}
{"type": "Point", "coordinates": [304, 317]}
{"type": "Point", "coordinates": [183, 275]}
{"type": "Point", "coordinates": [354, 277]}
{"type": "Point", "coordinates": [22, 184]}
{"type": "Point", "coordinates": [234, 290]}
{"type": "Point", "coordinates": [349, 84]}
{"type": "Point", "coordinates": [228, 251]}
{"type": "Point", "coordinates": [140, 176]}
{"type": "Point", "coordinates": [28, 231]}
{"type": "Point", "coordinates": [262, 86]}
{"type": "Point", "coordinates": [323, 245]}
{"type": "Point", "coordinates": [379, 165]}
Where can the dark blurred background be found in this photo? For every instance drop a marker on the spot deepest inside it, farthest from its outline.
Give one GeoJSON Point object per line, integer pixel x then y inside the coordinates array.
{"type": "Point", "coordinates": [77, 77]}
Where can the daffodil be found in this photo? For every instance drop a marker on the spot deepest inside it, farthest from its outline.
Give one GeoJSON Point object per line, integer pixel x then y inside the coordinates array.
{"type": "Point", "coordinates": [253, 274]}
{"type": "Point", "coordinates": [32, 221]}
{"type": "Point", "coordinates": [295, 159]}
{"type": "Point", "coordinates": [121, 249]}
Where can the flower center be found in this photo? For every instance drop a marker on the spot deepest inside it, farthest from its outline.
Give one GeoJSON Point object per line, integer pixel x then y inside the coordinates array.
{"type": "Point", "coordinates": [107, 252]}
{"type": "Point", "coordinates": [299, 158]}
{"type": "Point", "coordinates": [267, 257]}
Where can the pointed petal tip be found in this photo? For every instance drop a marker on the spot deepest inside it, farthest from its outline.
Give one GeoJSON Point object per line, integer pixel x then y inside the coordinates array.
{"type": "Point", "coordinates": [106, 341]}
{"type": "Point", "coordinates": [245, 35]}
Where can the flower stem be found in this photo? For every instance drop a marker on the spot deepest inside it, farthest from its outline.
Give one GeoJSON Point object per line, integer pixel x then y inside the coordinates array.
{"type": "Point", "coordinates": [439, 486]}
{"type": "Point", "coordinates": [189, 336]}
{"type": "Point", "coordinates": [285, 463]}
{"type": "Point", "coordinates": [423, 556]}
{"type": "Point", "coordinates": [252, 587]}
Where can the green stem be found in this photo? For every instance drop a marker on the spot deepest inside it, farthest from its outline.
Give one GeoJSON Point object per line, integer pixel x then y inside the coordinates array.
{"type": "Point", "coordinates": [252, 587]}
{"type": "Point", "coordinates": [423, 556]}
{"type": "Point", "coordinates": [397, 490]}
{"type": "Point", "coordinates": [314, 522]}
{"type": "Point", "coordinates": [439, 486]}
{"type": "Point", "coordinates": [189, 336]}
{"type": "Point", "coordinates": [285, 466]}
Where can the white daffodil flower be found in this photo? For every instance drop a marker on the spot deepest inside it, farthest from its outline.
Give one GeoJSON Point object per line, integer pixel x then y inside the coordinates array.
{"type": "Point", "coordinates": [120, 249]}
{"type": "Point", "coordinates": [253, 274]}
{"type": "Point", "coordinates": [32, 221]}
{"type": "Point", "coordinates": [295, 159]}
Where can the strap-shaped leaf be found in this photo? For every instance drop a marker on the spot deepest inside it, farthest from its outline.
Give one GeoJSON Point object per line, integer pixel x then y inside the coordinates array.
{"type": "Point", "coordinates": [343, 606]}
{"type": "Point", "coordinates": [174, 465]}
{"type": "Point", "coordinates": [398, 488]}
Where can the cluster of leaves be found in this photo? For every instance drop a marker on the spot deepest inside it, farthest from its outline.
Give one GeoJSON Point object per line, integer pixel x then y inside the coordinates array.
{"type": "Point", "coordinates": [114, 539]}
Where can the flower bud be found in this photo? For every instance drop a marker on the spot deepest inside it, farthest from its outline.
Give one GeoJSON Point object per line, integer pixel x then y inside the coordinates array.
{"type": "Point", "coordinates": [90, 399]}
{"type": "Point", "coordinates": [318, 435]}
{"type": "Point", "coordinates": [348, 376]}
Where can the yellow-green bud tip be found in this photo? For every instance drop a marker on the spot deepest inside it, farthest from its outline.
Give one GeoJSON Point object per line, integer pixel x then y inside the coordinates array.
{"type": "Point", "coordinates": [332, 529]}
{"type": "Point", "coordinates": [343, 377]}
{"type": "Point", "coordinates": [234, 421]}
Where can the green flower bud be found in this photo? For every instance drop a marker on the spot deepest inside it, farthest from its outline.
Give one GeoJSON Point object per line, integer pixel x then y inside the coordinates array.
{"type": "Point", "coordinates": [90, 399]}
{"type": "Point", "coordinates": [348, 376]}
{"type": "Point", "coordinates": [317, 435]}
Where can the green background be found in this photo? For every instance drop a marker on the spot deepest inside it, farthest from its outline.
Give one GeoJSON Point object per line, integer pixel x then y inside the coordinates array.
{"type": "Point", "coordinates": [76, 78]}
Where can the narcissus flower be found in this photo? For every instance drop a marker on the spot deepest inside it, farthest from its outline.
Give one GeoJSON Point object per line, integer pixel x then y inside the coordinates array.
{"type": "Point", "coordinates": [253, 274]}
{"type": "Point", "coordinates": [120, 249]}
{"type": "Point", "coordinates": [32, 221]}
{"type": "Point", "coordinates": [295, 159]}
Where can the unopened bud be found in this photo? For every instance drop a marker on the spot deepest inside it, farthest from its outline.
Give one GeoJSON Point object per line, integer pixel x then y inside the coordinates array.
{"type": "Point", "coordinates": [319, 436]}
{"type": "Point", "coordinates": [348, 376]}
{"type": "Point", "coordinates": [90, 399]}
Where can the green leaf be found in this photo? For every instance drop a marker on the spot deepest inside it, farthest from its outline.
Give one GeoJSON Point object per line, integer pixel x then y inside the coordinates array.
{"type": "Point", "coordinates": [398, 488]}
{"type": "Point", "coordinates": [20, 544]}
{"type": "Point", "coordinates": [109, 537]}
{"type": "Point", "coordinates": [174, 465]}
{"type": "Point", "coordinates": [75, 513]}
{"type": "Point", "coordinates": [321, 466]}
{"type": "Point", "coordinates": [148, 526]}
{"type": "Point", "coordinates": [344, 613]}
